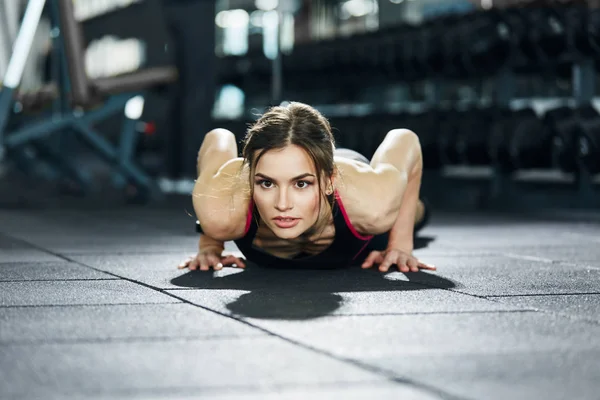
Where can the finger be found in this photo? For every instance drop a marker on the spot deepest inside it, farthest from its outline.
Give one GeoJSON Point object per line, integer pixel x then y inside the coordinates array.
{"type": "Point", "coordinates": [194, 264]}
{"type": "Point", "coordinates": [228, 260]}
{"type": "Point", "coordinates": [185, 263]}
{"type": "Point", "coordinates": [231, 260]}
{"type": "Point", "coordinates": [204, 263]}
{"type": "Point", "coordinates": [427, 266]}
{"type": "Point", "coordinates": [412, 264]}
{"type": "Point", "coordinates": [240, 262]}
{"type": "Point", "coordinates": [374, 257]}
{"type": "Point", "coordinates": [214, 261]}
{"type": "Point", "coordinates": [389, 260]}
{"type": "Point", "coordinates": [402, 264]}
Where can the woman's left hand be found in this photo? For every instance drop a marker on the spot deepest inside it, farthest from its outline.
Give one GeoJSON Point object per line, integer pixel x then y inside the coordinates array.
{"type": "Point", "coordinates": [405, 262]}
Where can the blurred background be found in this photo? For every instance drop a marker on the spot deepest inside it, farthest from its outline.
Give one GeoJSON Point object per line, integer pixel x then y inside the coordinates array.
{"type": "Point", "coordinates": [114, 96]}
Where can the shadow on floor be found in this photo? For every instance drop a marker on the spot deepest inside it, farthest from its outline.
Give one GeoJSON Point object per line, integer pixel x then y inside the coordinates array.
{"type": "Point", "coordinates": [302, 294]}
{"type": "Point", "coordinates": [422, 242]}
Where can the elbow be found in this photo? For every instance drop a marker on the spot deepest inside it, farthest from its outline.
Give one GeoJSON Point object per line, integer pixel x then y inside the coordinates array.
{"type": "Point", "coordinates": [387, 214]}
{"type": "Point", "coordinates": [383, 223]}
{"type": "Point", "coordinates": [407, 137]}
{"type": "Point", "coordinates": [379, 223]}
{"type": "Point", "coordinates": [214, 227]}
{"type": "Point", "coordinates": [222, 236]}
{"type": "Point", "coordinates": [216, 231]}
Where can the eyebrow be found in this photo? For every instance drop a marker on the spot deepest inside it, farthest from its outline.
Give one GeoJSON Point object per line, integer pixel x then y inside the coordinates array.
{"type": "Point", "coordinates": [293, 179]}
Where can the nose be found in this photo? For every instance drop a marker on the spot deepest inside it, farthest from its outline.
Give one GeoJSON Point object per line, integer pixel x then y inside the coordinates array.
{"type": "Point", "coordinates": [284, 202]}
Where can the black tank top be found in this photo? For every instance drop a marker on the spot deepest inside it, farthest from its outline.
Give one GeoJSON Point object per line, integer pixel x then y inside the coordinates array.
{"type": "Point", "coordinates": [346, 246]}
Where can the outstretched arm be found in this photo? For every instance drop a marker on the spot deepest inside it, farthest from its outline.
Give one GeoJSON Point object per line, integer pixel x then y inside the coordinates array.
{"type": "Point", "coordinates": [373, 193]}
{"type": "Point", "coordinates": [221, 194]}
{"type": "Point", "coordinates": [402, 149]}
{"type": "Point", "coordinates": [402, 233]}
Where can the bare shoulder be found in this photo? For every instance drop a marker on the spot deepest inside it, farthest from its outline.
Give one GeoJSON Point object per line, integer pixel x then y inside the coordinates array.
{"type": "Point", "coordinates": [371, 197]}
{"type": "Point", "coordinates": [221, 201]}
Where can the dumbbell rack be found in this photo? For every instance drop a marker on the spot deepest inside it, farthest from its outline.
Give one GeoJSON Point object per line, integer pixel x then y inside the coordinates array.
{"type": "Point", "coordinates": [436, 56]}
{"type": "Point", "coordinates": [495, 187]}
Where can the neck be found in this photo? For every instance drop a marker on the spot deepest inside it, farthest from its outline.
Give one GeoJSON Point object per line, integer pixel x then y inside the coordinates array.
{"type": "Point", "coordinates": [319, 226]}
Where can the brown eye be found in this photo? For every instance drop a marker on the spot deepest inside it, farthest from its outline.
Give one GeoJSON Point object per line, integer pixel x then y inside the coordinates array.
{"type": "Point", "coordinates": [265, 183]}
{"type": "Point", "coordinates": [302, 184]}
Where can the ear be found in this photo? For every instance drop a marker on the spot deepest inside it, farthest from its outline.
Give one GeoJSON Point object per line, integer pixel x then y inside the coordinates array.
{"type": "Point", "coordinates": [330, 183]}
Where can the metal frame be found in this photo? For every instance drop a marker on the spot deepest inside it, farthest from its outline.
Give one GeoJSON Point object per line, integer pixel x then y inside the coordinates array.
{"type": "Point", "coordinates": [63, 120]}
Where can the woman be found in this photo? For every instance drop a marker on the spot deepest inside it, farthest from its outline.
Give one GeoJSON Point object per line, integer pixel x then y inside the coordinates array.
{"type": "Point", "coordinates": [293, 201]}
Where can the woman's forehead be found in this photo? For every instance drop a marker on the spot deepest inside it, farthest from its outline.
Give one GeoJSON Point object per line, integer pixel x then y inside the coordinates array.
{"type": "Point", "coordinates": [291, 157]}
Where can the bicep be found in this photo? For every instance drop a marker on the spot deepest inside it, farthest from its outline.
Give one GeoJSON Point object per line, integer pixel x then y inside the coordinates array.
{"type": "Point", "coordinates": [221, 202]}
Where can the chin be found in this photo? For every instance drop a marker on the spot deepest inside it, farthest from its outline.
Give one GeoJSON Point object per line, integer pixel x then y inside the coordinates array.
{"type": "Point", "coordinates": [286, 234]}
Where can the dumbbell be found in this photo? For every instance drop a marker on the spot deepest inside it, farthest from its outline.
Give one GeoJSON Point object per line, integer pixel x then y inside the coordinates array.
{"type": "Point", "coordinates": [327, 71]}
{"type": "Point", "coordinates": [565, 126]}
{"type": "Point", "coordinates": [425, 48]}
{"type": "Point", "coordinates": [453, 39]}
{"type": "Point", "coordinates": [425, 125]}
{"type": "Point", "coordinates": [320, 60]}
{"type": "Point", "coordinates": [373, 129]}
{"type": "Point", "coordinates": [343, 68]}
{"type": "Point", "coordinates": [473, 135]}
{"type": "Point", "coordinates": [438, 41]}
{"type": "Point", "coordinates": [421, 48]}
{"type": "Point", "coordinates": [449, 125]}
{"type": "Point", "coordinates": [412, 49]}
{"type": "Point", "coordinates": [588, 144]}
{"type": "Point", "coordinates": [500, 132]}
{"type": "Point", "coordinates": [562, 125]}
{"type": "Point", "coordinates": [400, 57]}
{"type": "Point", "coordinates": [578, 24]}
{"type": "Point", "coordinates": [518, 28]}
{"type": "Point", "coordinates": [385, 57]}
{"type": "Point", "coordinates": [530, 143]}
{"type": "Point", "coordinates": [489, 42]}
{"type": "Point", "coordinates": [547, 38]}
{"type": "Point", "coordinates": [353, 56]}
{"type": "Point", "coordinates": [593, 29]}
{"type": "Point", "coordinates": [347, 64]}
{"type": "Point", "coordinates": [348, 132]}
{"type": "Point", "coordinates": [518, 141]}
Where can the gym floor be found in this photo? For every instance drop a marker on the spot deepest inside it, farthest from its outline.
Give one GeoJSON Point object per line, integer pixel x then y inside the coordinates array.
{"type": "Point", "coordinates": [92, 306]}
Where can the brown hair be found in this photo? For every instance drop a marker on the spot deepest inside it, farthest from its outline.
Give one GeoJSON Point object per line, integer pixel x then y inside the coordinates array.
{"type": "Point", "coordinates": [298, 124]}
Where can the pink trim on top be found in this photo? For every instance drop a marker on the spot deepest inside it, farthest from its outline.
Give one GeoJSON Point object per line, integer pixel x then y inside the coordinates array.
{"type": "Point", "coordinates": [249, 217]}
{"type": "Point", "coordinates": [347, 219]}
{"type": "Point", "coordinates": [361, 250]}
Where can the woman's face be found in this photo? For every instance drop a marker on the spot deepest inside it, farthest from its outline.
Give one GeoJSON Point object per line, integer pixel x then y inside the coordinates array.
{"type": "Point", "coordinates": [286, 191]}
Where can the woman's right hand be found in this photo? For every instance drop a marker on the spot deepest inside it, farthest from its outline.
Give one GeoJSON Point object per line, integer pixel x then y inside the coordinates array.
{"type": "Point", "coordinates": [210, 255]}
{"type": "Point", "coordinates": [211, 258]}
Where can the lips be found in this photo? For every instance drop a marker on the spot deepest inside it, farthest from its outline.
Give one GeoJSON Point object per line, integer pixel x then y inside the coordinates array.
{"type": "Point", "coordinates": [286, 222]}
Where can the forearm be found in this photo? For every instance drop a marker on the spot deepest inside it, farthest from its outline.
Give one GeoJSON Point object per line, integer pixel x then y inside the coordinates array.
{"type": "Point", "coordinates": [401, 148]}
{"type": "Point", "coordinates": [402, 233]}
{"type": "Point", "coordinates": [221, 194]}
{"type": "Point", "coordinates": [207, 242]}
